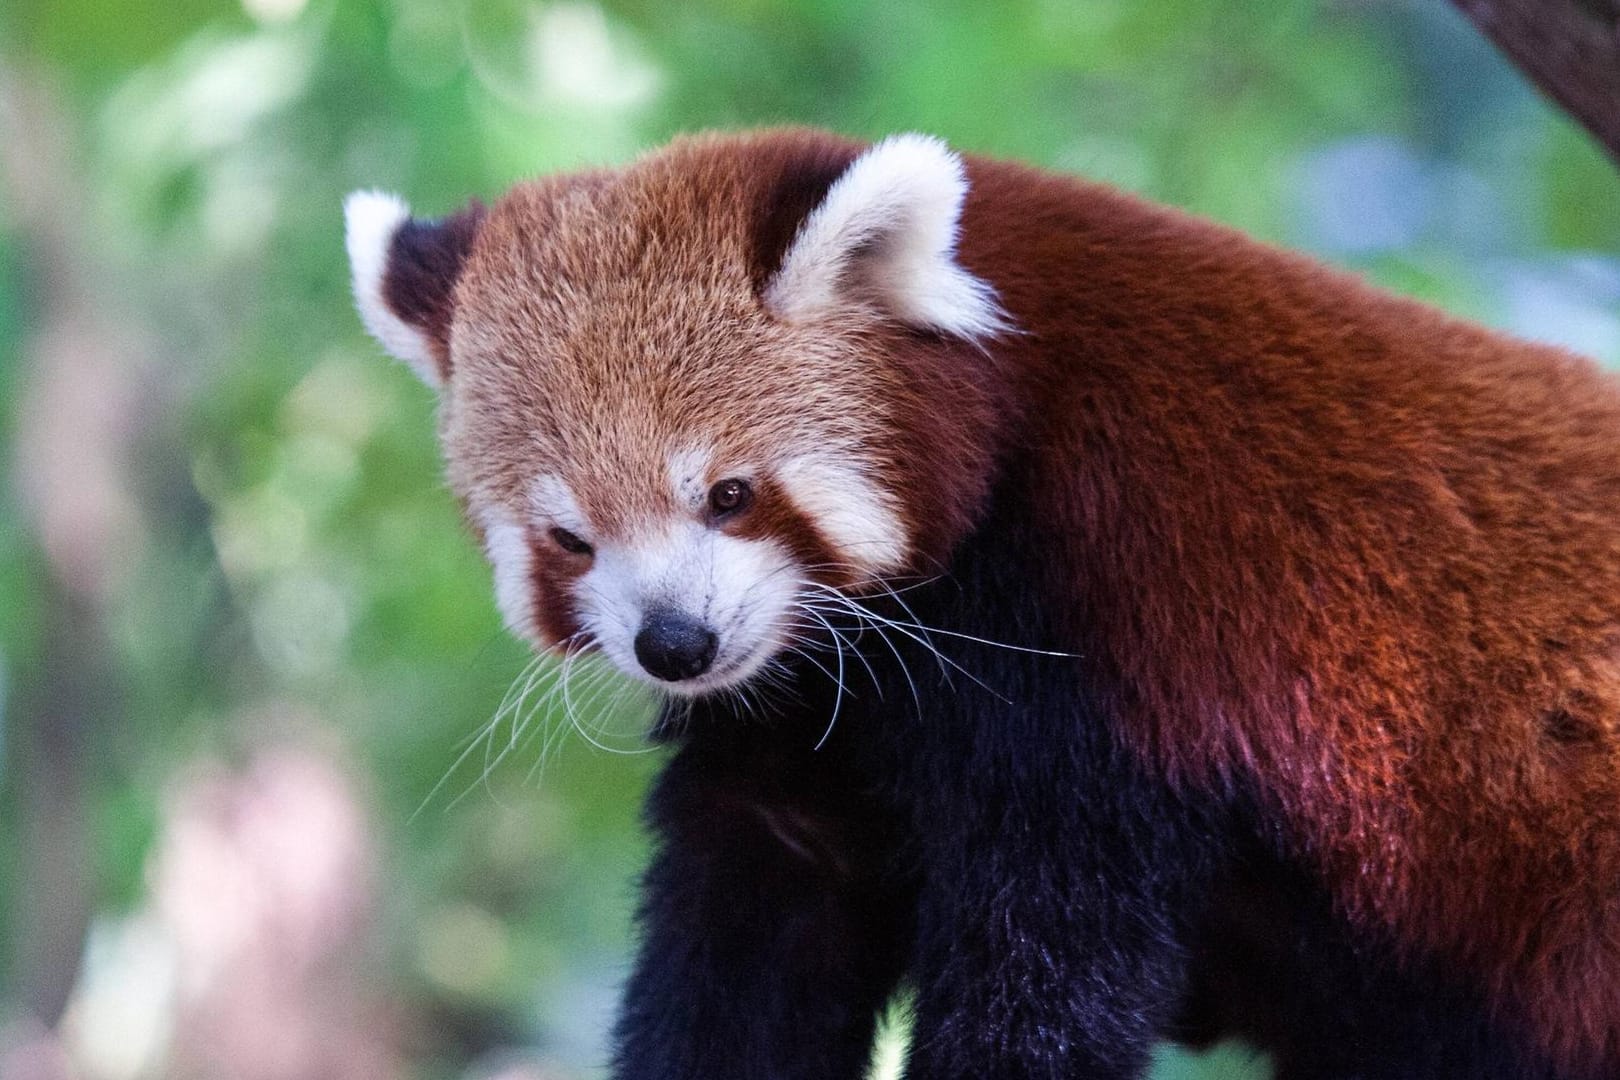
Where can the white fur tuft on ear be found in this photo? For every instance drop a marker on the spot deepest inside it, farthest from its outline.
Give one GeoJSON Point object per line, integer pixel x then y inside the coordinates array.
{"type": "Point", "coordinates": [886, 235]}
{"type": "Point", "coordinates": [371, 219]}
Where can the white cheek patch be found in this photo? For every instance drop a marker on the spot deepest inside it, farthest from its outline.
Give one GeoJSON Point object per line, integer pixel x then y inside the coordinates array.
{"type": "Point", "coordinates": [743, 590]}
{"type": "Point", "coordinates": [857, 516]}
{"type": "Point", "coordinates": [552, 502]}
{"type": "Point", "coordinates": [506, 543]}
{"type": "Point", "coordinates": [370, 221]}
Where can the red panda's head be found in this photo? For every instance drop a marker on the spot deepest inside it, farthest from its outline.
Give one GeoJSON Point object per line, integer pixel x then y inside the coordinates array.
{"type": "Point", "coordinates": [679, 397]}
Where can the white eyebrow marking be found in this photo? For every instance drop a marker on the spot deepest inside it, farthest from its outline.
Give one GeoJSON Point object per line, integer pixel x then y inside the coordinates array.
{"type": "Point", "coordinates": [688, 475]}
{"type": "Point", "coordinates": [553, 502]}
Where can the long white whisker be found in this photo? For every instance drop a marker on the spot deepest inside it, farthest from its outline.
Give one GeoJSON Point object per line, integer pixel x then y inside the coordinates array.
{"type": "Point", "coordinates": [574, 720]}
{"type": "Point", "coordinates": [607, 684]}
{"type": "Point", "coordinates": [905, 669]}
{"type": "Point", "coordinates": [994, 644]}
{"type": "Point", "coordinates": [838, 700]}
{"type": "Point", "coordinates": [836, 603]}
{"type": "Point", "coordinates": [483, 736]}
{"type": "Point", "coordinates": [552, 737]}
{"type": "Point", "coordinates": [514, 714]}
{"type": "Point", "coordinates": [520, 716]}
{"type": "Point", "coordinates": [850, 605]}
{"type": "Point", "coordinates": [917, 624]}
{"type": "Point", "coordinates": [902, 628]}
{"type": "Point", "coordinates": [801, 644]}
{"type": "Point", "coordinates": [859, 655]}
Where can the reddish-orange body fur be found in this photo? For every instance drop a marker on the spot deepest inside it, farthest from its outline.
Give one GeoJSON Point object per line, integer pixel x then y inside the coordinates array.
{"type": "Point", "coordinates": [1339, 552]}
{"type": "Point", "coordinates": [1358, 554]}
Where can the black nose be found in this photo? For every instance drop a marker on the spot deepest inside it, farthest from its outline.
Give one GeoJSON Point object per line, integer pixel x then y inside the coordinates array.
{"type": "Point", "coordinates": [673, 647]}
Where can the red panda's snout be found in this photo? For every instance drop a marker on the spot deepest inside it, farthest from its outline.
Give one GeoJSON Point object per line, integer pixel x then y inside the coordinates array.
{"type": "Point", "coordinates": [691, 607]}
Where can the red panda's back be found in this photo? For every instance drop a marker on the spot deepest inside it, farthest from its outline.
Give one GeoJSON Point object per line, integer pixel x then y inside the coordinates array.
{"type": "Point", "coordinates": [1352, 552]}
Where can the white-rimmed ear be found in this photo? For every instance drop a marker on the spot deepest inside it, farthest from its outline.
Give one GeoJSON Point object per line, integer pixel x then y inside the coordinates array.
{"type": "Point", "coordinates": [404, 274]}
{"type": "Point", "coordinates": [884, 238]}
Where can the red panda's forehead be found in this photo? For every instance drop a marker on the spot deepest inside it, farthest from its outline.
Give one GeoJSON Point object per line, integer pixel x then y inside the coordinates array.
{"type": "Point", "coordinates": [619, 394]}
{"type": "Point", "coordinates": [592, 284]}
{"type": "Point", "coordinates": [605, 234]}
{"type": "Point", "coordinates": [617, 418]}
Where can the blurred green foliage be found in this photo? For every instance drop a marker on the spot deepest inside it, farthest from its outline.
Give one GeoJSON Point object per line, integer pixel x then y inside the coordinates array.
{"type": "Point", "coordinates": [299, 571]}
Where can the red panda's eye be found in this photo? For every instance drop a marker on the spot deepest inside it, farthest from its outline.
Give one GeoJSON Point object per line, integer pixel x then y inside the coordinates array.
{"type": "Point", "coordinates": [729, 497]}
{"type": "Point", "coordinates": [570, 543]}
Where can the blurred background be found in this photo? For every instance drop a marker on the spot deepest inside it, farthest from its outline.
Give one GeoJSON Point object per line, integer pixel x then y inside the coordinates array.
{"type": "Point", "coordinates": [255, 820]}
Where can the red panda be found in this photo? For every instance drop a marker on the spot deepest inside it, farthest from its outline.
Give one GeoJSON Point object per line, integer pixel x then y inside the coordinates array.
{"type": "Point", "coordinates": [1108, 626]}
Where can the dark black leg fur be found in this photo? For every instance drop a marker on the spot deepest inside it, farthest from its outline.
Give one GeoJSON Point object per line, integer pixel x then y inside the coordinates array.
{"type": "Point", "coordinates": [1052, 919]}
{"type": "Point", "coordinates": [773, 933]}
{"type": "Point", "coordinates": [1059, 880]}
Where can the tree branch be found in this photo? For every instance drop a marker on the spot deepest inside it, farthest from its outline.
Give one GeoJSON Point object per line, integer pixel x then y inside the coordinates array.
{"type": "Point", "coordinates": [1569, 48]}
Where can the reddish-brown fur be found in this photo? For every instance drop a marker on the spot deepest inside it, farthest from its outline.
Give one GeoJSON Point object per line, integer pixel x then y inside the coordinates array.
{"type": "Point", "coordinates": [1339, 548]}
{"type": "Point", "coordinates": [1357, 553]}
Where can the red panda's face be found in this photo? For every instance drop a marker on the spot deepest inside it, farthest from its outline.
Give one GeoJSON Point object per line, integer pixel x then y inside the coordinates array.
{"type": "Point", "coordinates": [667, 450]}
{"type": "Point", "coordinates": [660, 469]}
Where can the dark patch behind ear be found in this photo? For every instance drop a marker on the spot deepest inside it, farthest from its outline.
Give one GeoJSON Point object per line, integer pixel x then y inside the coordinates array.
{"type": "Point", "coordinates": [804, 174]}
{"type": "Point", "coordinates": [424, 262]}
